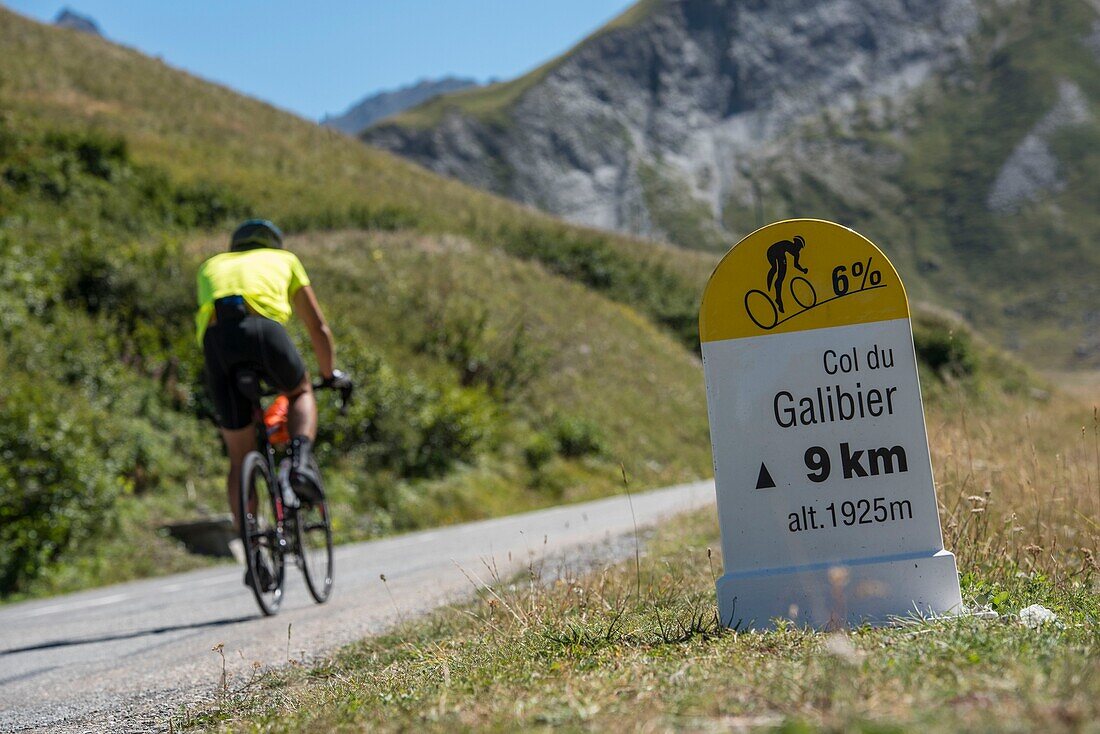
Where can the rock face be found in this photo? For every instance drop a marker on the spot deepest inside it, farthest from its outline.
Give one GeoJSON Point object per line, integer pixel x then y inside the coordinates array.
{"type": "Point", "coordinates": [960, 134]}
{"type": "Point", "coordinates": [370, 109]}
{"type": "Point", "coordinates": [77, 22]}
{"type": "Point", "coordinates": [682, 100]}
{"type": "Point", "coordinates": [1032, 171]}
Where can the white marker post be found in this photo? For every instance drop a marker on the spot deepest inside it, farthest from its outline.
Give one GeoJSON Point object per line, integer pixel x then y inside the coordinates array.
{"type": "Point", "coordinates": [825, 494]}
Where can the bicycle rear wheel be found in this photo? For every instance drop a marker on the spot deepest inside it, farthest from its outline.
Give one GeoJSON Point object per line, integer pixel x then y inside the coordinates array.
{"type": "Point", "coordinates": [264, 554]}
{"type": "Point", "coordinates": [315, 543]}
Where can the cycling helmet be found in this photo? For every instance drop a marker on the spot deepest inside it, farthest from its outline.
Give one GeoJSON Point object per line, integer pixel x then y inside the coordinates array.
{"type": "Point", "coordinates": [256, 233]}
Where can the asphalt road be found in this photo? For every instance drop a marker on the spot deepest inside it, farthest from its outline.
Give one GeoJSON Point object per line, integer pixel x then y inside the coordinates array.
{"type": "Point", "coordinates": [126, 657]}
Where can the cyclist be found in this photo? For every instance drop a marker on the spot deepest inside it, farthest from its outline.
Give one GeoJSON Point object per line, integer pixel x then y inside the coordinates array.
{"type": "Point", "coordinates": [245, 297]}
{"type": "Point", "coordinates": [777, 259]}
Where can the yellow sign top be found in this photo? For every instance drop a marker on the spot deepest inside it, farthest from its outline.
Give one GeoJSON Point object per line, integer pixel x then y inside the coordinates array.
{"type": "Point", "coordinates": [797, 275]}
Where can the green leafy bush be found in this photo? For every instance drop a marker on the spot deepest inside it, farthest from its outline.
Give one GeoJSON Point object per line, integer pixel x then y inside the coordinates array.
{"type": "Point", "coordinates": [945, 349]}
{"type": "Point", "coordinates": [56, 486]}
{"type": "Point", "coordinates": [539, 450]}
{"type": "Point", "coordinates": [589, 258]}
{"type": "Point", "coordinates": [456, 329]}
{"type": "Point", "coordinates": [93, 177]}
{"type": "Point", "coordinates": [397, 423]}
{"type": "Point", "coordinates": [577, 437]}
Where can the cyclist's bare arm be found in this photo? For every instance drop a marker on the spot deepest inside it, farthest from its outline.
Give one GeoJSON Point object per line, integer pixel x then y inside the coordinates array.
{"type": "Point", "coordinates": [309, 311]}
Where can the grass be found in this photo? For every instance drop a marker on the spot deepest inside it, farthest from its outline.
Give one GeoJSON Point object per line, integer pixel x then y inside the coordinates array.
{"type": "Point", "coordinates": [301, 174]}
{"type": "Point", "coordinates": [626, 649]}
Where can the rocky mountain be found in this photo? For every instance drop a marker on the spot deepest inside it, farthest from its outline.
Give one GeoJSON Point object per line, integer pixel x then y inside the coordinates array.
{"type": "Point", "coordinates": [958, 133]}
{"type": "Point", "coordinates": [368, 110]}
{"type": "Point", "coordinates": [75, 21]}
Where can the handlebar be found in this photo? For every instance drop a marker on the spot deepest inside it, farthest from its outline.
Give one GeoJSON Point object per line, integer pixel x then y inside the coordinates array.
{"type": "Point", "coordinates": [345, 393]}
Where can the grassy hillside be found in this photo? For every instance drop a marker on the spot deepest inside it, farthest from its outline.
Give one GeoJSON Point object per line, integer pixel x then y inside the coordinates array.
{"type": "Point", "coordinates": [306, 175]}
{"type": "Point", "coordinates": [632, 648]}
{"type": "Point", "coordinates": [499, 352]}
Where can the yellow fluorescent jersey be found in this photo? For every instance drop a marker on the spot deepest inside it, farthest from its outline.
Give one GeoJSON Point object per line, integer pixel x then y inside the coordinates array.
{"type": "Point", "coordinates": [266, 277]}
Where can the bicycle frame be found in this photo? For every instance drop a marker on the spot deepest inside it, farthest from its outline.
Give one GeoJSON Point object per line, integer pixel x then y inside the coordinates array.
{"type": "Point", "coordinates": [264, 447]}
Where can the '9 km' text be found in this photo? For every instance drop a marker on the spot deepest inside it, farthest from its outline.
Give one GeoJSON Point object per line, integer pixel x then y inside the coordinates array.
{"type": "Point", "coordinates": [880, 460]}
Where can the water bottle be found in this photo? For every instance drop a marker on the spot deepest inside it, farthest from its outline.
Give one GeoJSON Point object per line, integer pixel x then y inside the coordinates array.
{"type": "Point", "coordinates": [275, 421]}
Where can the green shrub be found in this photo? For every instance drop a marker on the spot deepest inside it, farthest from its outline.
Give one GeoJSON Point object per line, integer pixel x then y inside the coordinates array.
{"type": "Point", "coordinates": [538, 451]}
{"type": "Point", "coordinates": [945, 349]}
{"type": "Point", "coordinates": [100, 155]}
{"type": "Point", "coordinates": [577, 437]}
{"type": "Point", "coordinates": [56, 486]}
{"type": "Point", "coordinates": [93, 177]}
{"type": "Point", "coordinates": [400, 424]}
{"type": "Point", "coordinates": [589, 258]}
{"type": "Point", "coordinates": [457, 329]}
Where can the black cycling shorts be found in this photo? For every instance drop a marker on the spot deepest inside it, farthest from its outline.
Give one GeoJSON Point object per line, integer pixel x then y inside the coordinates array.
{"type": "Point", "coordinates": [255, 343]}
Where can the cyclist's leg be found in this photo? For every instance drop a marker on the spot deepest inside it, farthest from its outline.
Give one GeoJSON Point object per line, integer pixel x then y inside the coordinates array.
{"type": "Point", "coordinates": [302, 413]}
{"type": "Point", "coordinates": [781, 276]}
{"type": "Point", "coordinates": [237, 444]}
{"type": "Point", "coordinates": [287, 372]}
{"type": "Point", "coordinates": [284, 368]}
{"type": "Point", "coordinates": [234, 411]}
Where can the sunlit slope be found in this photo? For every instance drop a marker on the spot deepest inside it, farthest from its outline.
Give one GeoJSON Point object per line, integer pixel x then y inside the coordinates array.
{"type": "Point", "coordinates": [423, 302]}
{"type": "Point", "coordinates": [505, 360]}
{"type": "Point", "coordinates": [306, 175]}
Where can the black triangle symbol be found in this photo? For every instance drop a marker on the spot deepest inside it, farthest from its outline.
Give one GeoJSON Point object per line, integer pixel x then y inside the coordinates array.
{"type": "Point", "coordinates": [764, 481]}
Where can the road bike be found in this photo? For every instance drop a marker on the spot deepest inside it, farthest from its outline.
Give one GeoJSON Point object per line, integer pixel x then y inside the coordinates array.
{"type": "Point", "coordinates": [764, 312]}
{"type": "Point", "coordinates": [276, 525]}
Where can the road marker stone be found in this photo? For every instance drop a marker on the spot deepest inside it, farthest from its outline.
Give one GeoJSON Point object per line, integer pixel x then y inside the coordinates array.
{"type": "Point", "coordinates": [824, 484]}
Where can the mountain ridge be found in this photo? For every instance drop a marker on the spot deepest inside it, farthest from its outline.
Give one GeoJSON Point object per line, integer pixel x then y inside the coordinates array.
{"type": "Point", "coordinates": [707, 60]}
{"type": "Point", "coordinates": [68, 18]}
{"type": "Point", "coordinates": [377, 106]}
{"type": "Point", "coordinates": [953, 132]}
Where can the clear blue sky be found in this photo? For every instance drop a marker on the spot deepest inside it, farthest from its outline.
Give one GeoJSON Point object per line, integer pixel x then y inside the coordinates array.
{"type": "Point", "coordinates": [318, 57]}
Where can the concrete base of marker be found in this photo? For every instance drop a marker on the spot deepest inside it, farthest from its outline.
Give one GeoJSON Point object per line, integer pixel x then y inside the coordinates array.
{"type": "Point", "coordinates": [876, 591]}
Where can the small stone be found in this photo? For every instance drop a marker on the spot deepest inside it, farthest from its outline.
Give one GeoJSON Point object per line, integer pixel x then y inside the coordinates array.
{"type": "Point", "coordinates": [839, 646]}
{"type": "Point", "coordinates": [1037, 615]}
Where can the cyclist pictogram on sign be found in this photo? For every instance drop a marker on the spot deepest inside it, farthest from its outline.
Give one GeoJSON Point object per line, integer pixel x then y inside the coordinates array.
{"type": "Point", "coordinates": [768, 311]}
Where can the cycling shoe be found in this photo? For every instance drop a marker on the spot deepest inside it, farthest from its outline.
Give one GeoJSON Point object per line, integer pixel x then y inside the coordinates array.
{"type": "Point", "coordinates": [303, 470]}
{"type": "Point", "coordinates": [267, 579]}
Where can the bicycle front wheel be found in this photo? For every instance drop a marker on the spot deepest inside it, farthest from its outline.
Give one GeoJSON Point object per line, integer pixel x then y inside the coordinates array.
{"type": "Point", "coordinates": [263, 546]}
{"type": "Point", "coordinates": [315, 543]}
